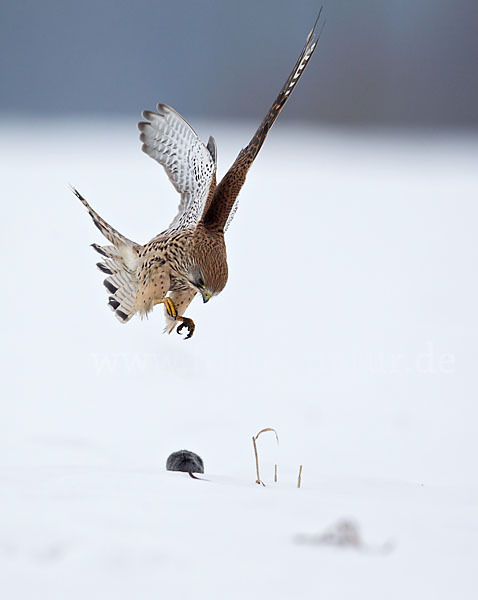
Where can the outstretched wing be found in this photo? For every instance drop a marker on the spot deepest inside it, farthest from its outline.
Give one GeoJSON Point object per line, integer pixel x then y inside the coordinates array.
{"type": "Point", "coordinates": [220, 211]}
{"type": "Point", "coordinates": [189, 164]}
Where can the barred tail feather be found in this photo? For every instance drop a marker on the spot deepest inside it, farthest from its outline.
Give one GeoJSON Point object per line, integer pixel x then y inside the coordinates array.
{"type": "Point", "coordinates": [120, 263]}
{"type": "Point", "coordinates": [121, 283]}
{"type": "Point", "coordinates": [109, 232]}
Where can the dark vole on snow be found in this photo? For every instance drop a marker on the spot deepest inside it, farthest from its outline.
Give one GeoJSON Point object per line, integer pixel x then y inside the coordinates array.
{"type": "Point", "coordinates": [186, 461]}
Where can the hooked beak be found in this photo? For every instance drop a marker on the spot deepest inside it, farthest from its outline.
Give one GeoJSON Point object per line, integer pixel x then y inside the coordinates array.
{"type": "Point", "coordinates": [205, 297]}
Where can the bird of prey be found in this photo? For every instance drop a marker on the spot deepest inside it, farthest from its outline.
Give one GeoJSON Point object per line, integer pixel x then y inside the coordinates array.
{"type": "Point", "coordinates": [189, 257]}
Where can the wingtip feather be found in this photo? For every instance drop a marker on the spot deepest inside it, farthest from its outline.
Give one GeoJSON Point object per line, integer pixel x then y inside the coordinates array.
{"type": "Point", "coordinates": [311, 35]}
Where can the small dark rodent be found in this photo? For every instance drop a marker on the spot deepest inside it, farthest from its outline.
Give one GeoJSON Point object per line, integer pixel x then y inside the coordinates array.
{"type": "Point", "coordinates": [186, 461]}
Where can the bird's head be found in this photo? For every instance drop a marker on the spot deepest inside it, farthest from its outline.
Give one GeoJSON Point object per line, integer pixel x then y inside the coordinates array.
{"type": "Point", "coordinates": [208, 273]}
{"type": "Point", "coordinates": [207, 281]}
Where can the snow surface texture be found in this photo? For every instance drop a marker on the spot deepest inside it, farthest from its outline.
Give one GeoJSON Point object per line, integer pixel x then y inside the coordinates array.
{"type": "Point", "coordinates": [349, 324]}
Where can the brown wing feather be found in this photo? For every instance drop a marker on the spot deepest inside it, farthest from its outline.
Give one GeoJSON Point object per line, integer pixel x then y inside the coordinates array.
{"type": "Point", "coordinates": [219, 208]}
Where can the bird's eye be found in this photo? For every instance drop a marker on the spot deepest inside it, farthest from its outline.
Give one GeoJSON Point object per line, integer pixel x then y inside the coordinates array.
{"type": "Point", "coordinates": [201, 282]}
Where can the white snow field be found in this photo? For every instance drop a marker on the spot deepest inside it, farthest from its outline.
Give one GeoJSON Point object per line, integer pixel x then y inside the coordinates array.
{"type": "Point", "coordinates": [349, 324]}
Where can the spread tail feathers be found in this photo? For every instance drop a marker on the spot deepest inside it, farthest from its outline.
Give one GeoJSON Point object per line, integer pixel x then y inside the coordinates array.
{"type": "Point", "coordinates": [120, 263]}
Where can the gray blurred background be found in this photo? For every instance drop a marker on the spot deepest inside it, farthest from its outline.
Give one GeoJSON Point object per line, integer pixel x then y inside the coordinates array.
{"type": "Point", "coordinates": [380, 62]}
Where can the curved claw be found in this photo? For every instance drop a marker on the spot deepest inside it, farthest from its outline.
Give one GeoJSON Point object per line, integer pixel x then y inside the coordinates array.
{"type": "Point", "coordinates": [189, 324]}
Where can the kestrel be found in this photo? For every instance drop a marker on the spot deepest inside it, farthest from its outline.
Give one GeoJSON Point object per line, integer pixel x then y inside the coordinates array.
{"type": "Point", "coordinates": [189, 257]}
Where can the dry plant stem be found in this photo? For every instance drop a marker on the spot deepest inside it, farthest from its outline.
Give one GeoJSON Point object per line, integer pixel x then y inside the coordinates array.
{"type": "Point", "coordinates": [254, 440]}
{"type": "Point", "coordinates": [258, 478]}
{"type": "Point", "coordinates": [299, 480]}
{"type": "Point", "coordinates": [275, 473]}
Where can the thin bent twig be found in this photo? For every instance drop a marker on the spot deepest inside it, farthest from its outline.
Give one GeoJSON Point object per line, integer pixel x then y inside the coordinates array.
{"type": "Point", "coordinates": [256, 454]}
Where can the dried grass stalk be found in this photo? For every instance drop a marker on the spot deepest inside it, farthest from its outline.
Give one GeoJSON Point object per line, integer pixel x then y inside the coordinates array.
{"type": "Point", "coordinates": [299, 479]}
{"type": "Point", "coordinates": [256, 454]}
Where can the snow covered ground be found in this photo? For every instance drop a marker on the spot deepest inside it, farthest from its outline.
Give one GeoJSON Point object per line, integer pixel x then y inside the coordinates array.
{"type": "Point", "coordinates": [349, 324]}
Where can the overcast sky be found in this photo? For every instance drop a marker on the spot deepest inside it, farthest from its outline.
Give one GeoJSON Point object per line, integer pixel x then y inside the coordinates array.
{"type": "Point", "coordinates": [411, 62]}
